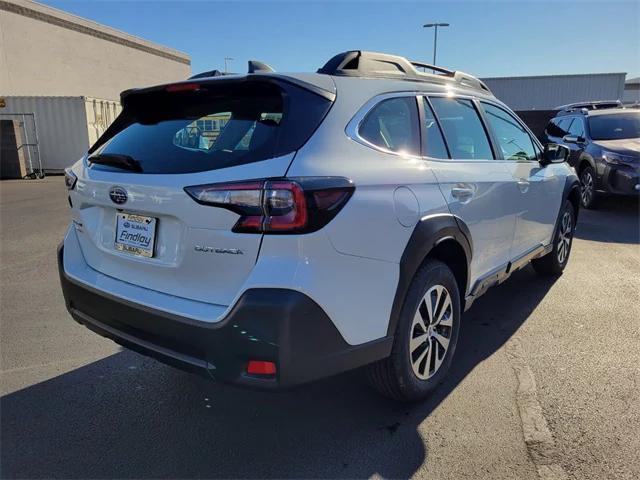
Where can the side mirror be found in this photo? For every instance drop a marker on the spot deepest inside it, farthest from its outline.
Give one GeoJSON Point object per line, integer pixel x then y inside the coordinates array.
{"type": "Point", "coordinates": [572, 139]}
{"type": "Point", "coordinates": [554, 153]}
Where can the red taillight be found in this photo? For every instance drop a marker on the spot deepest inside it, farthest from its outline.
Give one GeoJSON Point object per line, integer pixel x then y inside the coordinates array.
{"type": "Point", "coordinates": [285, 206]}
{"type": "Point", "coordinates": [279, 205]}
{"type": "Point", "coordinates": [257, 367]}
{"type": "Point", "coordinates": [182, 87]}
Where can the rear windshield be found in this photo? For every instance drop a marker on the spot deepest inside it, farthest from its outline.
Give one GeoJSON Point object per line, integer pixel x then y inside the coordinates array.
{"type": "Point", "coordinates": [615, 126]}
{"type": "Point", "coordinates": [217, 126]}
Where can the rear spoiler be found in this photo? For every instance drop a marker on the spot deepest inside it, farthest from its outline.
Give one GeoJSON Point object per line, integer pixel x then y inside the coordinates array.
{"type": "Point", "coordinates": [226, 79]}
{"type": "Point", "coordinates": [282, 81]}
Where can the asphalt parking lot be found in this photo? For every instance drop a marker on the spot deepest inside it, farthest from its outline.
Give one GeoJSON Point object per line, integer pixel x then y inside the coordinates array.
{"type": "Point", "coordinates": [545, 383]}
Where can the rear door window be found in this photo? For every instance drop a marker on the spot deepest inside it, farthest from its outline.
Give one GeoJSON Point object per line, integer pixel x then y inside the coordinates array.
{"type": "Point", "coordinates": [393, 125]}
{"type": "Point", "coordinates": [463, 129]}
{"type": "Point", "coordinates": [432, 142]}
{"type": "Point", "coordinates": [214, 127]}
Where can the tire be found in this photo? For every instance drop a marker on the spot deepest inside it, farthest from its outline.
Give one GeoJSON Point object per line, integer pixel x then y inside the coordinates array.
{"type": "Point", "coordinates": [554, 262]}
{"type": "Point", "coordinates": [587, 188]}
{"type": "Point", "coordinates": [431, 344]}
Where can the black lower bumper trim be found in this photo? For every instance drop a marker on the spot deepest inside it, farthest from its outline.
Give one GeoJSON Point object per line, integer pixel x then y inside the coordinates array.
{"type": "Point", "coordinates": [277, 325]}
{"type": "Point", "coordinates": [621, 180]}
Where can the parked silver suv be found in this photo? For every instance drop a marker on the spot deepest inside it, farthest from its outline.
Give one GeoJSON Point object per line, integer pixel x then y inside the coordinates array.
{"type": "Point", "coordinates": [270, 229]}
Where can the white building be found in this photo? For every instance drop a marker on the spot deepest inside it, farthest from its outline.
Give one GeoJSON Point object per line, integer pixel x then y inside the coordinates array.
{"type": "Point", "coordinates": [64, 74]}
{"type": "Point", "coordinates": [45, 51]}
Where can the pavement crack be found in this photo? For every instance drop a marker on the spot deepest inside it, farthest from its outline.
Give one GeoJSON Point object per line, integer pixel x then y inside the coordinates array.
{"type": "Point", "coordinates": [537, 437]}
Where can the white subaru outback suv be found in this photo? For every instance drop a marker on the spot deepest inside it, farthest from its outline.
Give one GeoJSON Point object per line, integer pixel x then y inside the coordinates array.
{"type": "Point", "coordinates": [271, 229]}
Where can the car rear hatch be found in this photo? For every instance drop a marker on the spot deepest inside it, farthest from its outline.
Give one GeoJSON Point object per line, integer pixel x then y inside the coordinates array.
{"type": "Point", "coordinates": [136, 222]}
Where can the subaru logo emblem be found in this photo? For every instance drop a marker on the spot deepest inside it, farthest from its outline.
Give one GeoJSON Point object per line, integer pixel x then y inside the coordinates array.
{"type": "Point", "coordinates": [118, 195]}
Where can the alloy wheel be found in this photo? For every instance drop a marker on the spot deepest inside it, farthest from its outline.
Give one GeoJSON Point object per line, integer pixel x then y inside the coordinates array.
{"type": "Point", "coordinates": [586, 187]}
{"type": "Point", "coordinates": [564, 237]}
{"type": "Point", "coordinates": [430, 332]}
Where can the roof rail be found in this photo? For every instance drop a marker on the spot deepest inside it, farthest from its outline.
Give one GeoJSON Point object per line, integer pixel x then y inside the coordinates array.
{"type": "Point", "coordinates": [358, 63]}
{"type": "Point", "coordinates": [593, 105]}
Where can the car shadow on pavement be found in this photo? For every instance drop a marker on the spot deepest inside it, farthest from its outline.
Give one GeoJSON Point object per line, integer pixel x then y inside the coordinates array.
{"type": "Point", "coordinates": [615, 220]}
{"type": "Point", "coordinates": [126, 416]}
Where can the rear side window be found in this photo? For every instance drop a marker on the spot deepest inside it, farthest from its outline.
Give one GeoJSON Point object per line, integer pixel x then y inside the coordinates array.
{"type": "Point", "coordinates": [393, 125]}
{"type": "Point", "coordinates": [466, 137]}
{"type": "Point", "coordinates": [554, 129]}
{"type": "Point", "coordinates": [215, 127]}
{"type": "Point", "coordinates": [559, 127]}
{"type": "Point", "coordinates": [432, 143]}
{"type": "Point", "coordinates": [577, 127]}
{"type": "Point", "coordinates": [513, 139]}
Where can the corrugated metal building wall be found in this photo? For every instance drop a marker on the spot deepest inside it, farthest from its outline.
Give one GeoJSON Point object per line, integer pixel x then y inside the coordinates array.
{"type": "Point", "coordinates": [550, 91]}
{"type": "Point", "coordinates": [65, 127]}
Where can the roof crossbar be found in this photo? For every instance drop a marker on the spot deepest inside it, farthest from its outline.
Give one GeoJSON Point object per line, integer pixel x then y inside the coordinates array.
{"type": "Point", "coordinates": [358, 63]}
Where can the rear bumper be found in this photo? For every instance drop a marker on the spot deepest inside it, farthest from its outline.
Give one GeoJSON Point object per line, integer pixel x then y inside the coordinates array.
{"type": "Point", "coordinates": [277, 325]}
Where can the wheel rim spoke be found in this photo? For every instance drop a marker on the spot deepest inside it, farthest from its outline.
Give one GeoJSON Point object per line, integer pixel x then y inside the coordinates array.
{"type": "Point", "coordinates": [429, 303]}
{"type": "Point", "coordinates": [442, 340]}
{"type": "Point", "coordinates": [437, 359]}
{"type": "Point", "coordinates": [417, 364]}
{"type": "Point", "coordinates": [417, 341]}
{"type": "Point", "coordinates": [447, 321]}
{"type": "Point", "coordinates": [437, 307]}
{"type": "Point", "coordinates": [446, 307]}
{"type": "Point", "coordinates": [417, 319]}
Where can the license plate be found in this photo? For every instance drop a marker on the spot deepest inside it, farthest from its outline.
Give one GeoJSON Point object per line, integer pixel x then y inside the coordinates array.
{"type": "Point", "coordinates": [135, 234]}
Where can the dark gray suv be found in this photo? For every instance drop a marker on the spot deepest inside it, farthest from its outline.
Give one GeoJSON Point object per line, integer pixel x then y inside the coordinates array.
{"type": "Point", "coordinates": [605, 148]}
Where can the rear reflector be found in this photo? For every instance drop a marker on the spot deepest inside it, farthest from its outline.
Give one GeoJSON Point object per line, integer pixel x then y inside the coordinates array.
{"type": "Point", "coordinates": [300, 205]}
{"type": "Point", "coordinates": [257, 367]}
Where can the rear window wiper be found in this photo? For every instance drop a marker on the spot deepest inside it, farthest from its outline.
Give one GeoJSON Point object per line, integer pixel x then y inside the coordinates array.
{"type": "Point", "coordinates": [117, 160]}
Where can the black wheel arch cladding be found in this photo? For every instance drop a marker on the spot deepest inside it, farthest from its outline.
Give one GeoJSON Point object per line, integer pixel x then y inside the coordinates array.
{"type": "Point", "coordinates": [428, 234]}
{"type": "Point", "coordinates": [571, 192]}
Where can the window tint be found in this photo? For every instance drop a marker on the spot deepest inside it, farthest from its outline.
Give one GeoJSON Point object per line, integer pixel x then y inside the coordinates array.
{"type": "Point", "coordinates": [564, 125]}
{"type": "Point", "coordinates": [559, 127]}
{"type": "Point", "coordinates": [514, 141]}
{"type": "Point", "coordinates": [393, 125]}
{"type": "Point", "coordinates": [577, 127]}
{"type": "Point", "coordinates": [462, 128]}
{"type": "Point", "coordinates": [615, 126]}
{"type": "Point", "coordinates": [432, 143]}
{"type": "Point", "coordinates": [554, 129]}
{"type": "Point", "coordinates": [202, 133]}
{"type": "Point", "coordinates": [217, 126]}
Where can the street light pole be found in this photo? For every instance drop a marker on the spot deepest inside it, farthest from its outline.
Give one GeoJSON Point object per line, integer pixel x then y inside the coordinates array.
{"type": "Point", "coordinates": [227, 59]}
{"type": "Point", "coordinates": [435, 36]}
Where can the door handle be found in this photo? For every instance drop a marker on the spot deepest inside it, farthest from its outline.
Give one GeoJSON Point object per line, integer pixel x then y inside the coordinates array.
{"type": "Point", "coordinates": [462, 193]}
{"type": "Point", "coordinates": [523, 185]}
